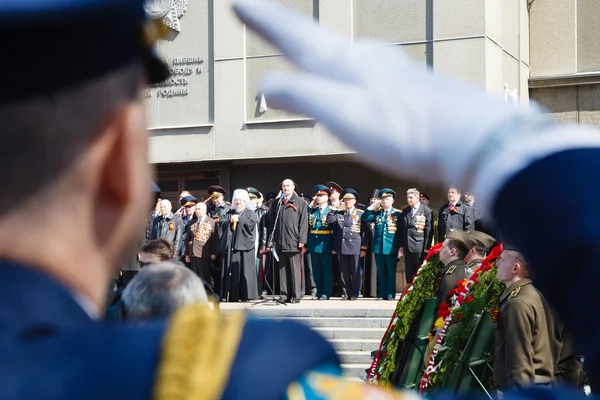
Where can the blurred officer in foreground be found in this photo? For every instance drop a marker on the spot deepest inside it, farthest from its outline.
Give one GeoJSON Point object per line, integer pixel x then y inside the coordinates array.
{"type": "Point", "coordinates": [410, 116]}
{"type": "Point", "coordinates": [84, 125]}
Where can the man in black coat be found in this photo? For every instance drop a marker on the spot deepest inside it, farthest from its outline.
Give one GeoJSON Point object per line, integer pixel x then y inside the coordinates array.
{"type": "Point", "coordinates": [289, 239]}
{"type": "Point", "coordinates": [454, 216]}
{"type": "Point", "coordinates": [417, 232]}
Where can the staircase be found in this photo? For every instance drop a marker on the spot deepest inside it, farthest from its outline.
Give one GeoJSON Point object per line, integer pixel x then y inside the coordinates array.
{"type": "Point", "coordinates": [354, 332]}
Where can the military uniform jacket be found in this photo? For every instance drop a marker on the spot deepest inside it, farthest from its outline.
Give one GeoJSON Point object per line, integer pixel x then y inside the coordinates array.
{"type": "Point", "coordinates": [292, 225]}
{"type": "Point", "coordinates": [350, 231]}
{"type": "Point", "coordinates": [453, 272]}
{"type": "Point", "coordinates": [52, 349]}
{"type": "Point", "coordinates": [169, 227]}
{"type": "Point", "coordinates": [459, 219]}
{"type": "Point", "coordinates": [417, 229]}
{"type": "Point", "coordinates": [201, 238]}
{"type": "Point", "coordinates": [524, 338]}
{"type": "Point", "coordinates": [387, 232]}
{"type": "Point", "coordinates": [320, 232]}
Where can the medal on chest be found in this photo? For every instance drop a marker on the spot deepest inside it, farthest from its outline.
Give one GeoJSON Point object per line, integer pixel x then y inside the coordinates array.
{"type": "Point", "coordinates": [420, 221]}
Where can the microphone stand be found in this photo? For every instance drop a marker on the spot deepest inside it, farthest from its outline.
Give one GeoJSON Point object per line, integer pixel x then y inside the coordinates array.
{"type": "Point", "coordinates": [270, 243]}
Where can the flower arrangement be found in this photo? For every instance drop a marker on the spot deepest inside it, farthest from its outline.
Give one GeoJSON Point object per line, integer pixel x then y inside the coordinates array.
{"type": "Point", "coordinates": [458, 318]}
{"type": "Point", "coordinates": [423, 286]}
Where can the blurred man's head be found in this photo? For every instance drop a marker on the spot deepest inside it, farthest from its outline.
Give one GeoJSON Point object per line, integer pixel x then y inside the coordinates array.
{"type": "Point", "coordinates": [452, 250]}
{"type": "Point", "coordinates": [453, 195]}
{"type": "Point", "coordinates": [287, 187]}
{"type": "Point", "coordinates": [165, 207]}
{"type": "Point", "coordinates": [200, 210]}
{"type": "Point", "coordinates": [412, 197]}
{"type": "Point", "coordinates": [86, 142]}
{"type": "Point", "coordinates": [155, 251]}
{"type": "Point", "coordinates": [239, 205]}
{"type": "Point", "coordinates": [469, 198]}
{"type": "Point", "coordinates": [511, 267]}
{"type": "Point", "coordinates": [159, 290]}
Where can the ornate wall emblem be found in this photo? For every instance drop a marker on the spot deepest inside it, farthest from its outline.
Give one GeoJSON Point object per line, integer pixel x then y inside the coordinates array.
{"type": "Point", "coordinates": [169, 10]}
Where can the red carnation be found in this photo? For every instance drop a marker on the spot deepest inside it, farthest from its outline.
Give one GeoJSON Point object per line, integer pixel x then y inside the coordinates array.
{"type": "Point", "coordinates": [469, 299]}
{"type": "Point", "coordinates": [433, 251]}
{"type": "Point", "coordinates": [443, 311]}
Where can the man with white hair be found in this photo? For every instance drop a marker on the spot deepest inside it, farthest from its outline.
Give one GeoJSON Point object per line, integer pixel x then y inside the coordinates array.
{"type": "Point", "coordinates": [168, 226]}
{"type": "Point", "coordinates": [239, 233]}
{"type": "Point", "coordinates": [416, 232]}
{"type": "Point", "coordinates": [159, 290]}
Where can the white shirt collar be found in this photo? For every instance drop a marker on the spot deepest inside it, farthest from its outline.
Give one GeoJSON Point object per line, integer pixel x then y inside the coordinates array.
{"type": "Point", "coordinates": [87, 305]}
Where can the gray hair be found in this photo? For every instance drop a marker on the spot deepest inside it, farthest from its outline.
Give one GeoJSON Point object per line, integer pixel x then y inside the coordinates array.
{"type": "Point", "coordinates": [158, 290]}
{"type": "Point", "coordinates": [45, 134]}
{"type": "Point", "coordinates": [413, 191]}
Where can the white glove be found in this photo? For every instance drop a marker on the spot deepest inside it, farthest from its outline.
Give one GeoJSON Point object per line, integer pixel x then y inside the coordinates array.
{"type": "Point", "coordinates": [397, 114]}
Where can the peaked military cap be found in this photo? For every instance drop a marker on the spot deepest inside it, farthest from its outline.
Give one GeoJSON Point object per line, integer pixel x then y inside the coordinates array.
{"type": "Point", "coordinates": [350, 193]}
{"type": "Point", "coordinates": [334, 187]}
{"type": "Point", "coordinates": [59, 44]}
{"type": "Point", "coordinates": [253, 193]}
{"type": "Point", "coordinates": [460, 236]}
{"type": "Point", "coordinates": [387, 193]}
{"type": "Point", "coordinates": [374, 195]}
{"type": "Point", "coordinates": [480, 238]}
{"type": "Point", "coordinates": [216, 191]}
{"type": "Point", "coordinates": [188, 201]}
{"type": "Point", "coordinates": [321, 189]}
{"type": "Point", "coordinates": [270, 196]}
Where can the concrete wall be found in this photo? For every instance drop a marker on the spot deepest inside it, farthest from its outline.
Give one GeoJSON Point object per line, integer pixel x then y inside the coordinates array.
{"type": "Point", "coordinates": [564, 37]}
{"type": "Point", "coordinates": [210, 111]}
{"type": "Point", "coordinates": [571, 104]}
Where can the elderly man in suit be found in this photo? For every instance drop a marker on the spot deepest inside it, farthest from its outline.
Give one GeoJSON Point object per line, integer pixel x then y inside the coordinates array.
{"type": "Point", "coordinates": [416, 233]}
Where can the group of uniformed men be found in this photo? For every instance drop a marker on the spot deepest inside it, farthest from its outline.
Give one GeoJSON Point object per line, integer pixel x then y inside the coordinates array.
{"type": "Point", "coordinates": [338, 240]}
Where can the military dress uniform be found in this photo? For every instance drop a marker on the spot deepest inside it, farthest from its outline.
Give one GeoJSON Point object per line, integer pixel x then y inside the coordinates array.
{"type": "Point", "coordinates": [350, 239]}
{"type": "Point", "coordinates": [218, 212]}
{"type": "Point", "coordinates": [387, 240]}
{"type": "Point", "coordinates": [319, 244]}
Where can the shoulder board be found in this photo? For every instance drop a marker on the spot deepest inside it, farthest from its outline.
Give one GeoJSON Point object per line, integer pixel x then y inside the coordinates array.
{"type": "Point", "coordinates": [451, 270]}
{"type": "Point", "coordinates": [514, 293]}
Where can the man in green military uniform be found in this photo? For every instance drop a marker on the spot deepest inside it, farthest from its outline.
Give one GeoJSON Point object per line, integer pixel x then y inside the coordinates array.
{"type": "Point", "coordinates": [452, 254]}
{"type": "Point", "coordinates": [387, 238]}
{"type": "Point", "coordinates": [478, 243]}
{"type": "Point", "coordinates": [524, 337]}
{"type": "Point", "coordinates": [319, 240]}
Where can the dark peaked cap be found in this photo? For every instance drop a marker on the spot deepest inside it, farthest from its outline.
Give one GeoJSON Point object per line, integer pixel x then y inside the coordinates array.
{"type": "Point", "coordinates": [45, 39]}
{"type": "Point", "coordinates": [478, 237]}
{"type": "Point", "coordinates": [461, 236]}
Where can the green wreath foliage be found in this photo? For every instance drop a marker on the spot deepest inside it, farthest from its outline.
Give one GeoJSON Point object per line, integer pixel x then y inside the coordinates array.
{"type": "Point", "coordinates": [486, 296]}
{"type": "Point", "coordinates": [424, 287]}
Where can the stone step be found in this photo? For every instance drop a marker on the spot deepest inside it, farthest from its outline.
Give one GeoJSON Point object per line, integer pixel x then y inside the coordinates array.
{"type": "Point", "coordinates": [281, 312]}
{"type": "Point", "coordinates": [351, 333]}
{"type": "Point", "coordinates": [355, 344]}
{"type": "Point", "coordinates": [355, 370]}
{"type": "Point", "coordinates": [341, 322]}
{"type": "Point", "coordinates": [355, 357]}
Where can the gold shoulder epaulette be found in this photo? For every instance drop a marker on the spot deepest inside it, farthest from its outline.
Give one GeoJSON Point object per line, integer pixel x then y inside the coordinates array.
{"type": "Point", "coordinates": [186, 357]}
{"type": "Point", "coordinates": [451, 270]}
{"type": "Point", "coordinates": [514, 292]}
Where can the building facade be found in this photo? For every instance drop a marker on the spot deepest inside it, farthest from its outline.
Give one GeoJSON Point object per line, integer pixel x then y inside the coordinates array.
{"type": "Point", "coordinates": [210, 125]}
{"type": "Point", "coordinates": [565, 59]}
